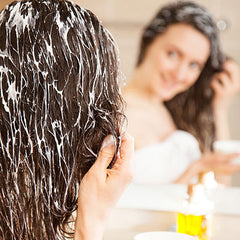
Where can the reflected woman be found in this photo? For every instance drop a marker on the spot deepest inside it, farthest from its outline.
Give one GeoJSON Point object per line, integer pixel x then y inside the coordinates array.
{"type": "Point", "coordinates": [179, 96]}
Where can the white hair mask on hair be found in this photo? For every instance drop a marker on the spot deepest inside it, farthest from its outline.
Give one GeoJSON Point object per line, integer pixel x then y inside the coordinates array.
{"type": "Point", "coordinates": [59, 98]}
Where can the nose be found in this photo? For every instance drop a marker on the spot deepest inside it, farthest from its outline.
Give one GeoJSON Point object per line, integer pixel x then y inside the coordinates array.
{"type": "Point", "coordinates": [181, 72]}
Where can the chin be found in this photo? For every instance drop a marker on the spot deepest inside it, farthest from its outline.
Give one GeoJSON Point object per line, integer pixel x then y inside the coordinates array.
{"type": "Point", "coordinates": [168, 97]}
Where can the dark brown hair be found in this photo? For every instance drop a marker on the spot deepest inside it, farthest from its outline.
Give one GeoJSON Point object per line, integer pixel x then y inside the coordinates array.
{"type": "Point", "coordinates": [59, 98]}
{"type": "Point", "coordinates": [191, 110]}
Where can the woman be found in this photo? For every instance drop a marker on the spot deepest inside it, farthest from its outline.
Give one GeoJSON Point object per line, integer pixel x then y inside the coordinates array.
{"type": "Point", "coordinates": [179, 95]}
{"type": "Point", "coordinates": [59, 100]}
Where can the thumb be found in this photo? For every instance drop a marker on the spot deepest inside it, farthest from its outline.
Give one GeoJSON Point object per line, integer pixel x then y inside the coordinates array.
{"type": "Point", "coordinates": [106, 153]}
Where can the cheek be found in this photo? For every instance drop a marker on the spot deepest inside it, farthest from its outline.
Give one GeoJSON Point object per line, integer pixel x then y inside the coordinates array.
{"type": "Point", "coordinates": [153, 61]}
{"type": "Point", "coordinates": [166, 66]}
{"type": "Point", "coordinates": [188, 83]}
{"type": "Point", "coordinates": [160, 59]}
{"type": "Point", "coordinates": [192, 78]}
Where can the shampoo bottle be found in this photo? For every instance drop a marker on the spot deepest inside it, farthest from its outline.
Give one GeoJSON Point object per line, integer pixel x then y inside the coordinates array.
{"type": "Point", "coordinates": [195, 217]}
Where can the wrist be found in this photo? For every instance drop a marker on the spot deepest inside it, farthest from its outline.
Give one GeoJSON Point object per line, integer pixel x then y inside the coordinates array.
{"type": "Point", "coordinates": [197, 167]}
{"type": "Point", "coordinates": [221, 123]}
{"type": "Point", "coordinates": [220, 108]}
{"type": "Point", "coordinates": [192, 171]}
{"type": "Point", "coordinates": [88, 230]}
{"type": "Point", "coordinates": [220, 111]}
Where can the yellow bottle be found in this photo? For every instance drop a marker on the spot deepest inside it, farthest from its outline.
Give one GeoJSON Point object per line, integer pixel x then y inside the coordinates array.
{"type": "Point", "coordinates": [195, 217]}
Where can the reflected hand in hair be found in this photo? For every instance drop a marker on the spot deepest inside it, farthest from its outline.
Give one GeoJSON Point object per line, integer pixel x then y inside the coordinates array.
{"type": "Point", "coordinates": [105, 187]}
{"type": "Point", "coordinates": [226, 84]}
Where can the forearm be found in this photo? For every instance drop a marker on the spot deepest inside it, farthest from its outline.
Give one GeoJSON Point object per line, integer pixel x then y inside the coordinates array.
{"type": "Point", "coordinates": [79, 235]}
{"type": "Point", "coordinates": [88, 233]}
{"type": "Point", "coordinates": [91, 222]}
{"type": "Point", "coordinates": [221, 123]}
{"type": "Point", "coordinates": [225, 85]}
{"type": "Point", "coordinates": [193, 170]}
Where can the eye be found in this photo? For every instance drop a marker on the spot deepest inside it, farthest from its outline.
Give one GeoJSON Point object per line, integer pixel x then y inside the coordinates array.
{"type": "Point", "coordinates": [195, 66]}
{"type": "Point", "coordinates": [172, 54]}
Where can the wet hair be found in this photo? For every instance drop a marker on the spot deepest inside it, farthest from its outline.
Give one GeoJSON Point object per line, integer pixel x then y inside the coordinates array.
{"type": "Point", "coordinates": [59, 98]}
{"type": "Point", "coordinates": [191, 110]}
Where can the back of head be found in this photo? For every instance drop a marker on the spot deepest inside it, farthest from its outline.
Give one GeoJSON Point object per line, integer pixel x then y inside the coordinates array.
{"type": "Point", "coordinates": [191, 110]}
{"type": "Point", "coordinates": [59, 98]}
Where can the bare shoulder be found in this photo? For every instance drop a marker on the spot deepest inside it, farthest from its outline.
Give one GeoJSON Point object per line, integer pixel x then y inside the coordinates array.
{"type": "Point", "coordinates": [133, 98]}
{"type": "Point", "coordinates": [137, 106]}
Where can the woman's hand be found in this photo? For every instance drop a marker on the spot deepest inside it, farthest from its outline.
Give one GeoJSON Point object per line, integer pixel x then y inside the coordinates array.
{"type": "Point", "coordinates": [101, 188]}
{"type": "Point", "coordinates": [226, 84]}
{"type": "Point", "coordinates": [216, 162]}
{"type": "Point", "coordinates": [219, 163]}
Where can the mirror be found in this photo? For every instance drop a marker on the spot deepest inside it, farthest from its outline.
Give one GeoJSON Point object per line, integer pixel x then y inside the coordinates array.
{"type": "Point", "coordinates": [126, 22]}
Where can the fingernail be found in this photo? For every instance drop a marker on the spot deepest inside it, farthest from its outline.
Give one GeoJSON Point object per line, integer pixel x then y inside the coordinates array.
{"type": "Point", "coordinates": [108, 141]}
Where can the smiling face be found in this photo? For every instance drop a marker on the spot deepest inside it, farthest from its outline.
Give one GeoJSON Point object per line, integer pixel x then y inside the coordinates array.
{"type": "Point", "coordinates": [174, 61]}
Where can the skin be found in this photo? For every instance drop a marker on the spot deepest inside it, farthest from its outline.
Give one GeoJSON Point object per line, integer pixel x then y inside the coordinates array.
{"type": "Point", "coordinates": [225, 85]}
{"type": "Point", "coordinates": [173, 63]}
{"type": "Point", "coordinates": [106, 186]}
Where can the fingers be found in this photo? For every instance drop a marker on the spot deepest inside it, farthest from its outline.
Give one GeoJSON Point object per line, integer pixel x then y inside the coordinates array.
{"type": "Point", "coordinates": [231, 156]}
{"type": "Point", "coordinates": [220, 163]}
{"type": "Point", "coordinates": [123, 166]}
{"type": "Point", "coordinates": [106, 153]}
{"type": "Point", "coordinates": [220, 82]}
{"type": "Point", "coordinates": [219, 158]}
{"type": "Point", "coordinates": [229, 78]}
{"type": "Point", "coordinates": [230, 74]}
{"type": "Point", "coordinates": [229, 168]}
{"type": "Point", "coordinates": [232, 69]}
{"type": "Point", "coordinates": [126, 152]}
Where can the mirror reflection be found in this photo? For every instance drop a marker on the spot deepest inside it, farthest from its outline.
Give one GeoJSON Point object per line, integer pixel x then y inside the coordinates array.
{"type": "Point", "coordinates": [182, 84]}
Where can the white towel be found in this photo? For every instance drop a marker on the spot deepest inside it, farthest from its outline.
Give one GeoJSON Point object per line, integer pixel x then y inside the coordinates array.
{"type": "Point", "coordinates": [164, 162]}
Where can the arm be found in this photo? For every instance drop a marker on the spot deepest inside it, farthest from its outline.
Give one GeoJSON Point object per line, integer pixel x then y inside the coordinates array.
{"type": "Point", "coordinates": [221, 123]}
{"type": "Point", "coordinates": [101, 188]}
{"type": "Point", "coordinates": [217, 162]}
{"type": "Point", "coordinates": [226, 85]}
{"type": "Point", "coordinates": [193, 170]}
